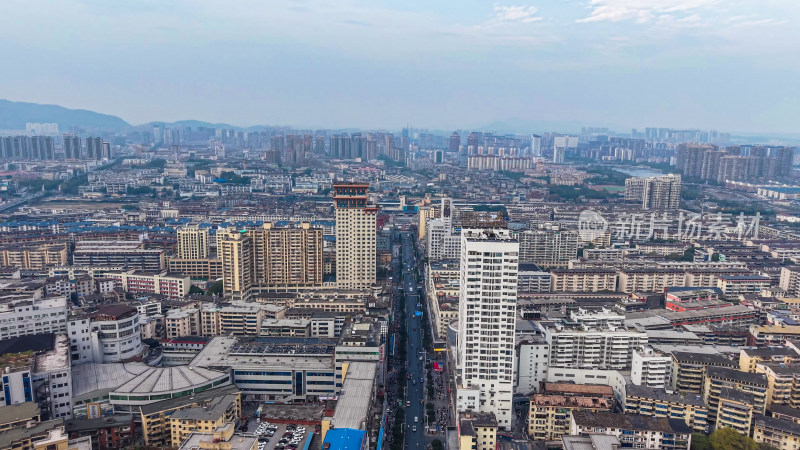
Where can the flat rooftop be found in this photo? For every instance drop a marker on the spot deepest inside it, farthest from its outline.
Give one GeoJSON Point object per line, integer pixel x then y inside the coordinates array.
{"type": "Point", "coordinates": [355, 396]}
{"type": "Point", "coordinates": [298, 412]}
{"type": "Point", "coordinates": [634, 390]}
{"type": "Point", "coordinates": [213, 410]}
{"type": "Point", "coordinates": [237, 441]}
{"type": "Point", "coordinates": [197, 398]}
{"type": "Point", "coordinates": [703, 358]}
{"type": "Point", "coordinates": [18, 411]}
{"type": "Point", "coordinates": [629, 422]}
{"type": "Point", "coordinates": [220, 352]}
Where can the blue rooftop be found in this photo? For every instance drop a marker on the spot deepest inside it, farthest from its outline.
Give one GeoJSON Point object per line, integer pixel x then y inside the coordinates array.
{"type": "Point", "coordinates": [345, 439]}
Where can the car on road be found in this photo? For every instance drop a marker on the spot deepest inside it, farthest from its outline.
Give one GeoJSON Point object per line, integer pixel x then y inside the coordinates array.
{"type": "Point", "coordinates": [416, 419]}
{"type": "Point", "coordinates": [414, 429]}
{"type": "Point", "coordinates": [408, 403]}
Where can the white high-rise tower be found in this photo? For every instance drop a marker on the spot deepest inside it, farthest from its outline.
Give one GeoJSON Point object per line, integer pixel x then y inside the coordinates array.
{"type": "Point", "coordinates": [487, 319]}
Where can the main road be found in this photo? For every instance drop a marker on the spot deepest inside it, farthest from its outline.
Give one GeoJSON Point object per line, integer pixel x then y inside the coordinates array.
{"type": "Point", "coordinates": [415, 411]}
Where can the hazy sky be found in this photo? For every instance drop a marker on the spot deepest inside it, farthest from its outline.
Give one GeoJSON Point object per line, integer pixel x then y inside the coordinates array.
{"type": "Point", "coordinates": [725, 64]}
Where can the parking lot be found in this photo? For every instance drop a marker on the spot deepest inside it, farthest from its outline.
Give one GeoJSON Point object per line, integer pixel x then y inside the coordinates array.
{"type": "Point", "coordinates": [278, 435]}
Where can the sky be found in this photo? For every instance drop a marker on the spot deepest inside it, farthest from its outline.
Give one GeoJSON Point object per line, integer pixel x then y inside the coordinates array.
{"type": "Point", "coordinates": [729, 65]}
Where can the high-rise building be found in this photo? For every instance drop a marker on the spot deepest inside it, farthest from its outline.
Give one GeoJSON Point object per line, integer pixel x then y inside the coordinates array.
{"type": "Point", "coordinates": [441, 241]}
{"type": "Point", "coordinates": [602, 345]}
{"type": "Point", "coordinates": [559, 155]}
{"type": "Point", "coordinates": [487, 319]}
{"type": "Point", "coordinates": [270, 258]}
{"type": "Point", "coordinates": [340, 146]}
{"type": "Point", "coordinates": [72, 147]}
{"type": "Point", "coordinates": [475, 139]}
{"type": "Point", "coordinates": [790, 281]}
{"type": "Point", "coordinates": [193, 243]}
{"type": "Point", "coordinates": [548, 246]}
{"type": "Point", "coordinates": [634, 188]}
{"type": "Point", "coordinates": [236, 252]}
{"type": "Point", "coordinates": [94, 148]}
{"type": "Point", "coordinates": [424, 214]}
{"type": "Point", "coordinates": [536, 145]}
{"type": "Point", "coordinates": [355, 236]}
{"type": "Point", "coordinates": [287, 257]}
{"type": "Point", "coordinates": [42, 148]}
{"type": "Point", "coordinates": [319, 145]}
{"type": "Point", "coordinates": [662, 192]}
{"type": "Point", "coordinates": [455, 142]}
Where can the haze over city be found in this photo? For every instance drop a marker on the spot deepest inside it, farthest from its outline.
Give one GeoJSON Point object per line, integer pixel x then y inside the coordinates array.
{"type": "Point", "coordinates": [557, 64]}
{"type": "Point", "coordinates": [386, 225]}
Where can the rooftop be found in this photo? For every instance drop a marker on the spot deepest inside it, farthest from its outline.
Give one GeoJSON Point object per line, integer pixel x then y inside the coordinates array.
{"type": "Point", "coordinates": [18, 411]}
{"type": "Point", "coordinates": [572, 401]}
{"type": "Point", "coordinates": [634, 390]}
{"type": "Point", "coordinates": [784, 410]}
{"type": "Point", "coordinates": [355, 396]}
{"type": "Point", "coordinates": [197, 398]}
{"type": "Point", "coordinates": [569, 388]}
{"type": "Point", "coordinates": [115, 312]}
{"type": "Point", "coordinates": [227, 351]}
{"type": "Point", "coordinates": [477, 419]}
{"type": "Point", "coordinates": [590, 442]}
{"type": "Point", "coordinates": [629, 422]}
{"type": "Point", "coordinates": [212, 410]}
{"type": "Point", "coordinates": [237, 441]}
{"type": "Point", "coordinates": [786, 426]}
{"type": "Point", "coordinates": [758, 379]}
{"type": "Point", "coordinates": [30, 343]}
{"type": "Point", "coordinates": [736, 395]}
{"type": "Point", "coordinates": [703, 358]}
{"type": "Point", "coordinates": [770, 351]}
{"type": "Point", "coordinates": [94, 424]}
{"type": "Point", "coordinates": [56, 359]}
{"type": "Point", "coordinates": [345, 439]}
{"type": "Point", "coordinates": [138, 378]}
{"type": "Point", "coordinates": [17, 434]}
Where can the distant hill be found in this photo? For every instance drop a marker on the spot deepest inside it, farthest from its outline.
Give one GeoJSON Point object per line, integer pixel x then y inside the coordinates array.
{"type": "Point", "coordinates": [517, 125]}
{"type": "Point", "coordinates": [14, 115]}
{"type": "Point", "coordinates": [187, 123]}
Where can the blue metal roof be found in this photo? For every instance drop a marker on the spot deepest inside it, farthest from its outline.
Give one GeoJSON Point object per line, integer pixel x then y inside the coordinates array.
{"type": "Point", "coordinates": [345, 439]}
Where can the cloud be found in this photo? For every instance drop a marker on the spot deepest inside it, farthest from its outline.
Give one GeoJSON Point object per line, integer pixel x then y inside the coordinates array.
{"type": "Point", "coordinates": [643, 11]}
{"type": "Point", "coordinates": [752, 20]}
{"type": "Point", "coordinates": [523, 14]}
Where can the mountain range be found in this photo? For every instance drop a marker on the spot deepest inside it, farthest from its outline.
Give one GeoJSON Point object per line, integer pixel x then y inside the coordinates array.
{"type": "Point", "coordinates": [14, 116]}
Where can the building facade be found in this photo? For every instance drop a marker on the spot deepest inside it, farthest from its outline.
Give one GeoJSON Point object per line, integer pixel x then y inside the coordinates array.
{"type": "Point", "coordinates": [487, 314]}
{"type": "Point", "coordinates": [356, 225]}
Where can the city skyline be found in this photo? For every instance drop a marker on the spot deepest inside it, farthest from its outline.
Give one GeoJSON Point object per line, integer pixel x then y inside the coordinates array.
{"type": "Point", "coordinates": [673, 63]}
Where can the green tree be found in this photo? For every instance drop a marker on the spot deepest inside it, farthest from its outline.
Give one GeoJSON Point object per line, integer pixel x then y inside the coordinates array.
{"type": "Point", "coordinates": [195, 290]}
{"type": "Point", "coordinates": [157, 163]}
{"type": "Point", "coordinates": [231, 177]}
{"type": "Point", "coordinates": [436, 444]}
{"type": "Point", "coordinates": [215, 289]}
{"type": "Point", "coordinates": [729, 439]}
{"type": "Point", "coordinates": [700, 441]}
